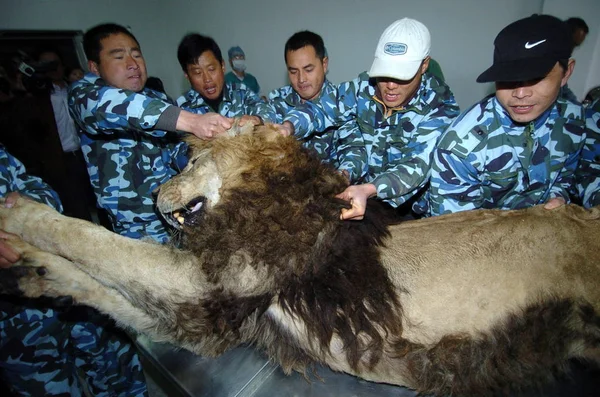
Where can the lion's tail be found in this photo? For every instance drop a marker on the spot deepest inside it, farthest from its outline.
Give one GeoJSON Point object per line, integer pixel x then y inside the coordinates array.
{"type": "Point", "coordinates": [526, 351]}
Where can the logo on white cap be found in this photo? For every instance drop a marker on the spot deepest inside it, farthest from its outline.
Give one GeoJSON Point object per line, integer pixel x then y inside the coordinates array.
{"type": "Point", "coordinates": [395, 48]}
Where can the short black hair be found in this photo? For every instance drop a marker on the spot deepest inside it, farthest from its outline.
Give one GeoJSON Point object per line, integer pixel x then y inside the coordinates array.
{"type": "Point", "coordinates": [93, 37]}
{"type": "Point", "coordinates": [303, 39]}
{"type": "Point", "coordinates": [192, 46]}
{"type": "Point", "coordinates": [575, 23]}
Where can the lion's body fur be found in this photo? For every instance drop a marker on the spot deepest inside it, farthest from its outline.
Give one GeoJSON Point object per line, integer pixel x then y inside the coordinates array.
{"type": "Point", "coordinates": [464, 304]}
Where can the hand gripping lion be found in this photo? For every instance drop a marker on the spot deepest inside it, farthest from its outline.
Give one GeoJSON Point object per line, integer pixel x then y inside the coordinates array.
{"type": "Point", "coordinates": [474, 303]}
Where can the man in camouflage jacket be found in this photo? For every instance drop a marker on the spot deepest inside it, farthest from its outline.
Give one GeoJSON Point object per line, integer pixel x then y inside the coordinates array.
{"type": "Point", "coordinates": [587, 176]}
{"type": "Point", "coordinates": [397, 108]}
{"type": "Point", "coordinates": [306, 63]}
{"type": "Point", "coordinates": [521, 146]}
{"type": "Point", "coordinates": [129, 140]}
{"type": "Point", "coordinates": [47, 350]}
{"type": "Point", "coordinates": [202, 64]}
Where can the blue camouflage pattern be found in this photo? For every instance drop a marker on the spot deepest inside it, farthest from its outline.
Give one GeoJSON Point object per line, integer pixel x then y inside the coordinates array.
{"type": "Point", "coordinates": [486, 160]}
{"type": "Point", "coordinates": [13, 178]}
{"type": "Point", "coordinates": [127, 157]}
{"type": "Point", "coordinates": [238, 100]}
{"type": "Point", "coordinates": [335, 145]}
{"type": "Point", "coordinates": [397, 142]}
{"type": "Point", "coordinates": [588, 173]}
{"type": "Point", "coordinates": [48, 351]}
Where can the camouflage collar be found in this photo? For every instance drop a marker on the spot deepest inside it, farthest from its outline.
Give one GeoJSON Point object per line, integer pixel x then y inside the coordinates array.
{"type": "Point", "coordinates": [91, 78]}
{"type": "Point", "coordinates": [293, 99]}
{"type": "Point", "coordinates": [551, 113]}
{"type": "Point", "coordinates": [419, 103]}
{"type": "Point", "coordinates": [198, 100]}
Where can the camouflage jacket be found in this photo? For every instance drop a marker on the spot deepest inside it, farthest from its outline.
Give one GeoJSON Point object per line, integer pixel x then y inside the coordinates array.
{"type": "Point", "coordinates": [14, 179]}
{"type": "Point", "coordinates": [238, 100]}
{"type": "Point", "coordinates": [485, 160]}
{"type": "Point", "coordinates": [337, 146]}
{"type": "Point", "coordinates": [127, 158]}
{"type": "Point", "coordinates": [398, 142]}
{"type": "Point", "coordinates": [588, 172]}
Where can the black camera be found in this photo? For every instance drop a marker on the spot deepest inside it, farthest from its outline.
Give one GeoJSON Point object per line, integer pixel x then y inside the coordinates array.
{"type": "Point", "coordinates": [35, 78]}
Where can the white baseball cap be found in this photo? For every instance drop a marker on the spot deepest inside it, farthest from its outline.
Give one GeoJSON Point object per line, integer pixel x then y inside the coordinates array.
{"type": "Point", "coordinates": [401, 49]}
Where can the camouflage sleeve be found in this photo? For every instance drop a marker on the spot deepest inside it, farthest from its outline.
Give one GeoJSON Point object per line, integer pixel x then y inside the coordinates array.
{"type": "Point", "coordinates": [104, 109]}
{"type": "Point", "coordinates": [334, 108]}
{"type": "Point", "coordinates": [454, 183]}
{"type": "Point", "coordinates": [14, 179]}
{"type": "Point", "coordinates": [588, 172]}
{"type": "Point", "coordinates": [351, 151]}
{"type": "Point", "coordinates": [410, 165]}
{"type": "Point", "coordinates": [256, 106]}
{"type": "Point", "coordinates": [279, 105]}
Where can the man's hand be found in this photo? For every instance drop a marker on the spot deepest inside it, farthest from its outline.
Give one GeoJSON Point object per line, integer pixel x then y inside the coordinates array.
{"type": "Point", "coordinates": [204, 126]}
{"type": "Point", "coordinates": [8, 255]}
{"type": "Point", "coordinates": [10, 199]}
{"type": "Point", "coordinates": [285, 129]}
{"type": "Point", "coordinates": [357, 195]}
{"type": "Point", "coordinates": [554, 203]}
{"type": "Point", "coordinates": [254, 120]}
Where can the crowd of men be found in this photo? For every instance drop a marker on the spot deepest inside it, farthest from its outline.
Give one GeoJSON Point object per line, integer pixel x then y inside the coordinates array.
{"type": "Point", "coordinates": [395, 132]}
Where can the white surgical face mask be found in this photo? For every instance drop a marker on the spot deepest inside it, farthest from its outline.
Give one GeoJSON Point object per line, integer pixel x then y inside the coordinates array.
{"type": "Point", "coordinates": [239, 65]}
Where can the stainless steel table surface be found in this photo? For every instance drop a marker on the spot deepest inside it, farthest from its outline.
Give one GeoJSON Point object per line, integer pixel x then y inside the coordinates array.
{"type": "Point", "coordinates": [244, 372]}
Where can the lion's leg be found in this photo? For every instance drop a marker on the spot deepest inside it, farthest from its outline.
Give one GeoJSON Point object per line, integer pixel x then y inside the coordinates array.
{"type": "Point", "coordinates": [43, 274]}
{"type": "Point", "coordinates": [114, 260]}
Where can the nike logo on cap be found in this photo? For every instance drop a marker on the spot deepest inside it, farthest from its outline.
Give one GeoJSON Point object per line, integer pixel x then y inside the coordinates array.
{"type": "Point", "coordinates": [529, 46]}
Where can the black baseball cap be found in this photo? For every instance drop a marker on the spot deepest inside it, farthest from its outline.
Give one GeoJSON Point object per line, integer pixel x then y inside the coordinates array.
{"type": "Point", "coordinates": [528, 49]}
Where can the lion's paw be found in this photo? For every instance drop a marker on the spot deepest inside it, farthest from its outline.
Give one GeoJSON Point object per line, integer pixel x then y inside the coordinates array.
{"type": "Point", "coordinates": [37, 273]}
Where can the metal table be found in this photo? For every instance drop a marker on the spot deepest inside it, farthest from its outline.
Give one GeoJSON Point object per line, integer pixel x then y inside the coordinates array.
{"type": "Point", "coordinates": [244, 372]}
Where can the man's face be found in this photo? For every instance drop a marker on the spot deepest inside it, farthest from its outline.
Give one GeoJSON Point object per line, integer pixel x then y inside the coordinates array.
{"type": "Point", "coordinates": [121, 63]}
{"type": "Point", "coordinates": [525, 101]}
{"type": "Point", "coordinates": [395, 93]}
{"type": "Point", "coordinates": [207, 75]}
{"type": "Point", "coordinates": [306, 72]}
{"type": "Point", "coordinates": [58, 73]}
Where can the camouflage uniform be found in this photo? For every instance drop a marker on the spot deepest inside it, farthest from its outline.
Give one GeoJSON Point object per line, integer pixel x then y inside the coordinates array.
{"type": "Point", "coordinates": [398, 141]}
{"type": "Point", "coordinates": [127, 157]}
{"type": "Point", "coordinates": [237, 101]}
{"type": "Point", "coordinates": [588, 172]}
{"type": "Point", "coordinates": [485, 160]}
{"type": "Point", "coordinates": [332, 145]}
{"type": "Point", "coordinates": [47, 351]}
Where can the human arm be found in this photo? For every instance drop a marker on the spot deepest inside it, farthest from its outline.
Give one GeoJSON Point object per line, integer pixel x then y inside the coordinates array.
{"type": "Point", "coordinates": [587, 176]}
{"type": "Point", "coordinates": [335, 106]}
{"type": "Point", "coordinates": [101, 109]}
{"type": "Point", "coordinates": [351, 151]}
{"type": "Point", "coordinates": [260, 110]}
{"type": "Point", "coordinates": [454, 183]}
{"type": "Point", "coordinates": [409, 154]}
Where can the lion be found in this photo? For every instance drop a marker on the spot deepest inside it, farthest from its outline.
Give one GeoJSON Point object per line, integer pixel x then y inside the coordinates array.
{"type": "Point", "coordinates": [473, 303]}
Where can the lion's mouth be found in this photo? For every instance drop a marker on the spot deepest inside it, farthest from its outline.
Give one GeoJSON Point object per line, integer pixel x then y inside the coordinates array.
{"type": "Point", "coordinates": [190, 215]}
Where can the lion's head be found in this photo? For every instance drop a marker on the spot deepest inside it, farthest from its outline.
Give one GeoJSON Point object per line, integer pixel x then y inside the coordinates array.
{"type": "Point", "coordinates": [256, 185]}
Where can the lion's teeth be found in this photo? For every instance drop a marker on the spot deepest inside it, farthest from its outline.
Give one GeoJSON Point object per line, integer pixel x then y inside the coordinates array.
{"type": "Point", "coordinates": [197, 207]}
{"type": "Point", "coordinates": [176, 214]}
{"type": "Point", "coordinates": [180, 219]}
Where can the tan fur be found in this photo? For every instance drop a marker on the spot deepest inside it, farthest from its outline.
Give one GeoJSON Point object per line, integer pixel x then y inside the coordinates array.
{"type": "Point", "coordinates": [455, 278]}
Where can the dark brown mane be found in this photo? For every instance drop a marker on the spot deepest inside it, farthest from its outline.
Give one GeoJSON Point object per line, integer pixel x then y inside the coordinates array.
{"type": "Point", "coordinates": [325, 271]}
